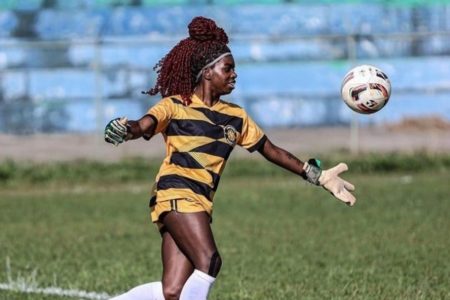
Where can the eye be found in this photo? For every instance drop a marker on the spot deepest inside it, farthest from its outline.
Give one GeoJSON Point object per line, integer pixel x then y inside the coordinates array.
{"type": "Point", "coordinates": [229, 69]}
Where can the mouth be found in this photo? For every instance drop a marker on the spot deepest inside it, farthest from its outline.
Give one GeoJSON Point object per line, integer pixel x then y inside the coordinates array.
{"type": "Point", "coordinates": [232, 84]}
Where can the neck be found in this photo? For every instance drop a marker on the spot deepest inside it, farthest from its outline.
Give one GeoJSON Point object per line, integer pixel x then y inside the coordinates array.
{"type": "Point", "coordinates": [206, 95]}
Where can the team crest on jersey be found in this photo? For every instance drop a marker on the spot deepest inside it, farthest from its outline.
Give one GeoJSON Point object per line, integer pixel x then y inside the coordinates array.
{"type": "Point", "coordinates": [230, 134]}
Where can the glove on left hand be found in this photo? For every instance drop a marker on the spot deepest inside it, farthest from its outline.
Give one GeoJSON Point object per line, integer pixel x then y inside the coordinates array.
{"type": "Point", "coordinates": [337, 186]}
{"type": "Point", "coordinates": [330, 180]}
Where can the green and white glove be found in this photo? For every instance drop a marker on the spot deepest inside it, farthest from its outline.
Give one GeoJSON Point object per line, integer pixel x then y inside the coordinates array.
{"type": "Point", "coordinates": [330, 180]}
{"type": "Point", "coordinates": [116, 131]}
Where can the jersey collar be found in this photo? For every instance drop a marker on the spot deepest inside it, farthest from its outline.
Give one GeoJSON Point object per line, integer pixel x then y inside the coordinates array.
{"type": "Point", "coordinates": [195, 99]}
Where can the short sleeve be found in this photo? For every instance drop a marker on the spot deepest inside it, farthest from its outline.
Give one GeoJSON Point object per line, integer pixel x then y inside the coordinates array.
{"type": "Point", "coordinates": [162, 113]}
{"type": "Point", "coordinates": [252, 136]}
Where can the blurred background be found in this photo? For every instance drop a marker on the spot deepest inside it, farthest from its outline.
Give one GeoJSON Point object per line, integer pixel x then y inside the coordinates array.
{"type": "Point", "coordinates": [68, 67]}
{"type": "Point", "coordinates": [74, 209]}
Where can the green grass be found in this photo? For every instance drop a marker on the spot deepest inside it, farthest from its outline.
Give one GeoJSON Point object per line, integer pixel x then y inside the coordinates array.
{"type": "Point", "coordinates": [17, 174]}
{"type": "Point", "coordinates": [279, 237]}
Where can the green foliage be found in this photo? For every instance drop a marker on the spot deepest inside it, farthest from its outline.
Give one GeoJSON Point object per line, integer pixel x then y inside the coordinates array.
{"type": "Point", "coordinates": [395, 162]}
{"type": "Point", "coordinates": [16, 173]}
{"type": "Point", "coordinates": [12, 172]}
{"type": "Point", "coordinates": [367, 163]}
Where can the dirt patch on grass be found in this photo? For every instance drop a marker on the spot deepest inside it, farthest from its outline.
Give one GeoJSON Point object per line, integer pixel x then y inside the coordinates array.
{"type": "Point", "coordinates": [411, 135]}
{"type": "Point", "coordinates": [431, 123]}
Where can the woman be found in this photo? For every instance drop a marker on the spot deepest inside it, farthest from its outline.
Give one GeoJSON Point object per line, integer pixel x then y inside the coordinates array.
{"type": "Point", "coordinates": [200, 131]}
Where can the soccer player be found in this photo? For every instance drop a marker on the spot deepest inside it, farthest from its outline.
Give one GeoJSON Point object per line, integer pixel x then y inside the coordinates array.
{"type": "Point", "coordinates": [200, 131]}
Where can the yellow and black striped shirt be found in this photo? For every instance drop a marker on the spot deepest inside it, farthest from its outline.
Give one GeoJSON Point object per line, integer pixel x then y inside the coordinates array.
{"type": "Point", "coordinates": [199, 139]}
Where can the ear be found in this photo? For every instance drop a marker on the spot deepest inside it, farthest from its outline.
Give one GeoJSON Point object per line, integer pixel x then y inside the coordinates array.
{"type": "Point", "coordinates": [207, 73]}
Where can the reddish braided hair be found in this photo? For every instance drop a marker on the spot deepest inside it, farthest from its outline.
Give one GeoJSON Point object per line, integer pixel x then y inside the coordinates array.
{"type": "Point", "coordinates": [177, 70]}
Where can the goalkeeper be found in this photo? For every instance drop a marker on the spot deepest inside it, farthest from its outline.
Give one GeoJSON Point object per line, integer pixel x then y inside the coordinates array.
{"type": "Point", "coordinates": [200, 131]}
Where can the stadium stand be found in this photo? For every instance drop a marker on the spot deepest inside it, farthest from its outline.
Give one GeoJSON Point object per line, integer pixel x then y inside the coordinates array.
{"type": "Point", "coordinates": [247, 19]}
{"type": "Point", "coordinates": [106, 49]}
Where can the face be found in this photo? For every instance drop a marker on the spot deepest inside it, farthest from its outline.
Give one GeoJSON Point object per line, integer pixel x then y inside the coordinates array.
{"type": "Point", "coordinates": [223, 76]}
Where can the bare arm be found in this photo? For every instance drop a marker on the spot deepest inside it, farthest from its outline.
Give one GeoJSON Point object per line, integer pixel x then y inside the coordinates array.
{"type": "Point", "coordinates": [282, 158]}
{"type": "Point", "coordinates": [119, 130]}
{"type": "Point", "coordinates": [328, 179]}
{"type": "Point", "coordinates": [144, 127]}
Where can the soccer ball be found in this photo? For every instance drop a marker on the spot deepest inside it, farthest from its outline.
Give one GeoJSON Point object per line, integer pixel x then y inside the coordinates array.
{"type": "Point", "coordinates": [366, 89]}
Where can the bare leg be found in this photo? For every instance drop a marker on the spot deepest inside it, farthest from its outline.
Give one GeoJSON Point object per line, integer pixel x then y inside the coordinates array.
{"type": "Point", "coordinates": [191, 232]}
{"type": "Point", "coordinates": [176, 268]}
{"type": "Point", "coordinates": [187, 245]}
{"type": "Point", "coordinates": [193, 236]}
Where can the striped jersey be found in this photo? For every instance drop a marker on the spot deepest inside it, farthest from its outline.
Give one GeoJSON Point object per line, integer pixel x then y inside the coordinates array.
{"type": "Point", "coordinates": [199, 139]}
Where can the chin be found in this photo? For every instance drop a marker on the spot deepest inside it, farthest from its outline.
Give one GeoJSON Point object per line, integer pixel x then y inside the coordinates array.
{"type": "Point", "coordinates": [228, 91]}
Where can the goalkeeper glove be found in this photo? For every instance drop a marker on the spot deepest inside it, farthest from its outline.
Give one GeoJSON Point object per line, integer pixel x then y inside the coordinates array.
{"type": "Point", "coordinates": [117, 131]}
{"type": "Point", "coordinates": [330, 180]}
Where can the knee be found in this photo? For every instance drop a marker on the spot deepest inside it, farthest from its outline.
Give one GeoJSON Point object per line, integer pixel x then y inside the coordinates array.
{"type": "Point", "coordinates": [215, 264]}
{"type": "Point", "coordinates": [211, 264]}
{"type": "Point", "coordinates": [172, 292]}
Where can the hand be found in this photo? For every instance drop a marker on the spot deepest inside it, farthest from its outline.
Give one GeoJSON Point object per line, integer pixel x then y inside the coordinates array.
{"type": "Point", "coordinates": [330, 180]}
{"type": "Point", "coordinates": [116, 131]}
{"type": "Point", "coordinates": [337, 186]}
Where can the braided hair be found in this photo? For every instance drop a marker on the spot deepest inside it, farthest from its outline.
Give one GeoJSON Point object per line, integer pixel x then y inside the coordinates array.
{"type": "Point", "coordinates": [177, 71]}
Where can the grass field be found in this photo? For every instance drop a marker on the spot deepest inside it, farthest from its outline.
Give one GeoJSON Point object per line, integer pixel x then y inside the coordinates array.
{"type": "Point", "coordinates": [279, 238]}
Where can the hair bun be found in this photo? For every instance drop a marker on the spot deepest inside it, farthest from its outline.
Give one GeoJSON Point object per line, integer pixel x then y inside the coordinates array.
{"type": "Point", "coordinates": [204, 29]}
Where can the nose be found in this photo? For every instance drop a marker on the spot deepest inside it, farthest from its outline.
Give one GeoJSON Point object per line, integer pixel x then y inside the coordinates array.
{"type": "Point", "coordinates": [234, 75]}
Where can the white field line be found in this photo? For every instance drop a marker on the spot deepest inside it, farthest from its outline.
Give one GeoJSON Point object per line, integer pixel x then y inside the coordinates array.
{"type": "Point", "coordinates": [55, 291]}
{"type": "Point", "coordinates": [29, 285]}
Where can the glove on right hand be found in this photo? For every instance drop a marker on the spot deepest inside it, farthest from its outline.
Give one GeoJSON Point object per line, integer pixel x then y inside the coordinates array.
{"type": "Point", "coordinates": [116, 131]}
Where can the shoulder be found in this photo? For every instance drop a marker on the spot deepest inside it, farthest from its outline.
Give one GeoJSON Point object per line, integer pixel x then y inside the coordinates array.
{"type": "Point", "coordinates": [175, 99]}
{"type": "Point", "coordinates": [168, 103]}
